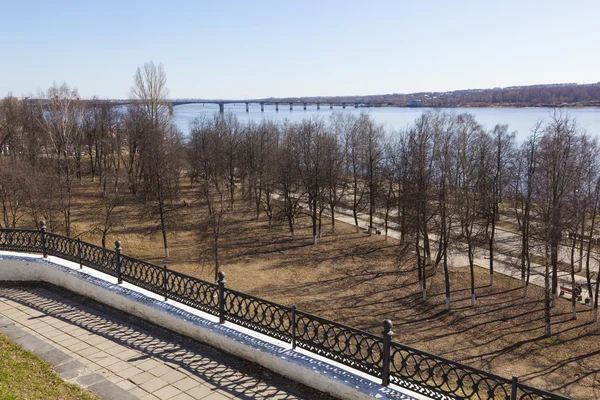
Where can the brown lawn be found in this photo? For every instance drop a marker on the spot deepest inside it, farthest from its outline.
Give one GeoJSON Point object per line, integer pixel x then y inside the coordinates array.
{"type": "Point", "coordinates": [357, 280]}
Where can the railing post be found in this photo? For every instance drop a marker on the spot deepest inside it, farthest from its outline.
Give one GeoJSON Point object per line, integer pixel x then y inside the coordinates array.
{"type": "Point", "coordinates": [43, 234]}
{"type": "Point", "coordinates": [387, 350]}
{"type": "Point", "coordinates": [294, 327]}
{"type": "Point", "coordinates": [165, 282]}
{"type": "Point", "coordinates": [513, 390]}
{"type": "Point", "coordinates": [79, 253]}
{"type": "Point", "coordinates": [221, 283]}
{"type": "Point", "coordinates": [118, 250]}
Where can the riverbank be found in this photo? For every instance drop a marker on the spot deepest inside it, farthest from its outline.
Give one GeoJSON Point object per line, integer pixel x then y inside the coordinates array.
{"type": "Point", "coordinates": [593, 104]}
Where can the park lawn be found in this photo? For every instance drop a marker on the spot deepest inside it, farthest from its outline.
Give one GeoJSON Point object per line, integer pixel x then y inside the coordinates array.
{"type": "Point", "coordinates": [361, 280]}
{"type": "Point", "coordinates": [23, 376]}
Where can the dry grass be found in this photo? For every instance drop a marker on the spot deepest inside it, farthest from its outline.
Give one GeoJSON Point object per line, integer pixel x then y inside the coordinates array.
{"type": "Point", "coordinates": [25, 376]}
{"type": "Point", "coordinates": [355, 279]}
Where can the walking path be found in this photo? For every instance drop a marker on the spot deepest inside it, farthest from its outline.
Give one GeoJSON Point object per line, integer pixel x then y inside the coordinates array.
{"type": "Point", "coordinates": [149, 362]}
{"type": "Point", "coordinates": [506, 244]}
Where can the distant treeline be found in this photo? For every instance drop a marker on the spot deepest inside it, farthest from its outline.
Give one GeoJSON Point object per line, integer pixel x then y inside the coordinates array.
{"type": "Point", "coordinates": [551, 95]}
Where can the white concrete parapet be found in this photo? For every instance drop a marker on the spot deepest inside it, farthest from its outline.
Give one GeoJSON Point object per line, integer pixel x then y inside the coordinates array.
{"type": "Point", "coordinates": [298, 365]}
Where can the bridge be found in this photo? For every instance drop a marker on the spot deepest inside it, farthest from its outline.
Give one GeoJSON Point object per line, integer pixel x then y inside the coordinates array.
{"type": "Point", "coordinates": [291, 102]}
{"type": "Point", "coordinates": [283, 102]}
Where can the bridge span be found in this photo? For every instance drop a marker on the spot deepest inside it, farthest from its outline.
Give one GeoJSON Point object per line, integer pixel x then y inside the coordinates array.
{"type": "Point", "coordinates": [277, 103]}
{"type": "Point", "coordinates": [304, 103]}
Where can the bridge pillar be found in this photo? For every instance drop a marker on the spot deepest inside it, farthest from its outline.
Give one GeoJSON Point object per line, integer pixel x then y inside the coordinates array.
{"type": "Point", "coordinates": [262, 107]}
{"type": "Point", "coordinates": [247, 107]}
{"type": "Point", "coordinates": [291, 106]}
{"type": "Point", "coordinates": [276, 106]}
{"type": "Point", "coordinates": [221, 108]}
{"type": "Point", "coordinates": [318, 106]}
{"type": "Point", "coordinates": [305, 106]}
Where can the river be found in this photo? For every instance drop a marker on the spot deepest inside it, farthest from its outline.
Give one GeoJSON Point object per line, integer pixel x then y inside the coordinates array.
{"type": "Point", "coordinates": [520, 120]}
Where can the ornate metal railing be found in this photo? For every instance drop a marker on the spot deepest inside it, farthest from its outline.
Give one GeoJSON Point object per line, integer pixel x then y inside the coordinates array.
{"type": "Point", "coordinates": [142, 274]}
{"type": "Point", "coordinates": [378, 356]}
{"type": "Point", "coordinates": [349, 346]}
{"type": "Point", "coordinates": [259, 315]}
{"type": "Point", "coordinates": [440, 378]}
{"type": "Point", "coordinates": [193, 292]}
{"type": "Point", "coordinates": [21, 240]}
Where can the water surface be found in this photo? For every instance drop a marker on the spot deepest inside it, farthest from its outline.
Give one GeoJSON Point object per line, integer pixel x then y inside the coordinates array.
{"type": "Point", "coordinates": [520, 120]}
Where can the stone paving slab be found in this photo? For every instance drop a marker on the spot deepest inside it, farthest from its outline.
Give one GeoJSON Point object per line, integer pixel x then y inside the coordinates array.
{"type": "Point", "coordinates": [65, 366]}
{"type": "Point", "coordinates": [143, 360]}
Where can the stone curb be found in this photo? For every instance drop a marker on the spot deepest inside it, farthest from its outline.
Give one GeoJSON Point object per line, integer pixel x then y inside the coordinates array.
{"type": "Point", "coordinates": [68, 368]}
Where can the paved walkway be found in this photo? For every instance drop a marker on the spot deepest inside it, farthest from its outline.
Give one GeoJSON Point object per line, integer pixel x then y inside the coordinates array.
{"type": "Point", "coordinates": [147, 361]}
{"type": "Point", "coordinates": [506, 257]}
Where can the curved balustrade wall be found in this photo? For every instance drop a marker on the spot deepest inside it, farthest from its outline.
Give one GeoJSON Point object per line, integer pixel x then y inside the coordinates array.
{"type": "Point", "coordinates": [421, 372]}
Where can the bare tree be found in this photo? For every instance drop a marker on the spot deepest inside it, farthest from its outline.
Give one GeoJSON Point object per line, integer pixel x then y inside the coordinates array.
{"type": "Point", "coordinates": [421, 209]}
{"type": "Point", "coordinates": [374, 155]}
{"type": "Point", "coordinates": [10, 126]}
{"type": "Point", "coordinates": [310, 138]}
{"type": "Point", "coordinates": [445, 163]}
{"type": "Point", "coordinates": [267, 161]}
{"type": "Point", "coordinates": [160, 141]}
{"type": "Point", "coordinates": [473, 156]}
{"type": "Point", "coordinates": [149, 92]}
{"type": "Point", "coordinates": [388, 194]}
{"type": "Point", "coordinates": [334, 165]}
{"type": "Point", "coordinates": [61, 121]}
{"type": "Point", "coordinates": [558, 170]}
{"type": "Point", "coordinates": [524, 173]}
{"type": "Point", "coordinates": [14, 182]}
{"type": "Point", "coordinates": [289, 178]}
{"type": "Point", "coordinates": [503, 143]}
{"type": "Point", "coordinates": [356, 165]}
{"type": "Point", "coordinates": [209, 163]}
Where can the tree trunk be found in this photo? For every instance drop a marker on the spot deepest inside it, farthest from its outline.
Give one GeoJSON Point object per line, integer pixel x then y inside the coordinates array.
{"type": "Point", "coordinates": [596, 296]}
{"type": "Point", "coordinates": [161, 209]}
{"type": "Point", "coordinates": [573, 297]}
{"type": "Point", "coordinates": [289, 213]}
{"type": "Point", "coordinates": [402, 224]}
{"type": "Point", "coordinates": [257, 199]}
{"type": "Point", "coordinates": [525, 250]}
{"type": "Point", "coordinates": [332, 217]}
{"type": "Point", "coordinates": [548, 293]}
{"type": "Point", "coordinates": [580, 267]}
{"type": "Point", "coordinates": [387, 216]}
{"type": "Point", "coordinates": [491, 248]}
{"type": "Point", "coordinates": [216, 255]}
{"type": "Point", "coordinates": [314, 219]}
{"type": "Point", "coordinates": [554, 258]}
{"type": "Point", "coordinates": [472, 270]}
{"type": "Point", "coordinates": [589, 250]}
{"type": "Point", "coordinates": [419, 262]}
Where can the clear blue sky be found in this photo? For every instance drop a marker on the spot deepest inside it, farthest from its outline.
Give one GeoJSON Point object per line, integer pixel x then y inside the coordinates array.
{"type": "Point", "coordinates": [249, 49]}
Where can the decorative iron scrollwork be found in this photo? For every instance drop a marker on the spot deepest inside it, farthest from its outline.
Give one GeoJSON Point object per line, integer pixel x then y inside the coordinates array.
{"type": "Point", "coordinates": [259, 315]}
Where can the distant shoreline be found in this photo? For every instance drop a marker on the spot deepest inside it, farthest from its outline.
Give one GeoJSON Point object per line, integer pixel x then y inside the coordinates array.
{"type": "Point", "coordinates": [568, 105]}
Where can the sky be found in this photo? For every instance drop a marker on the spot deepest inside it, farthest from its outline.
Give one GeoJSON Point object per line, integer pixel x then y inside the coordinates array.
{"type": "Point", "coordinates": [256, 49]}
